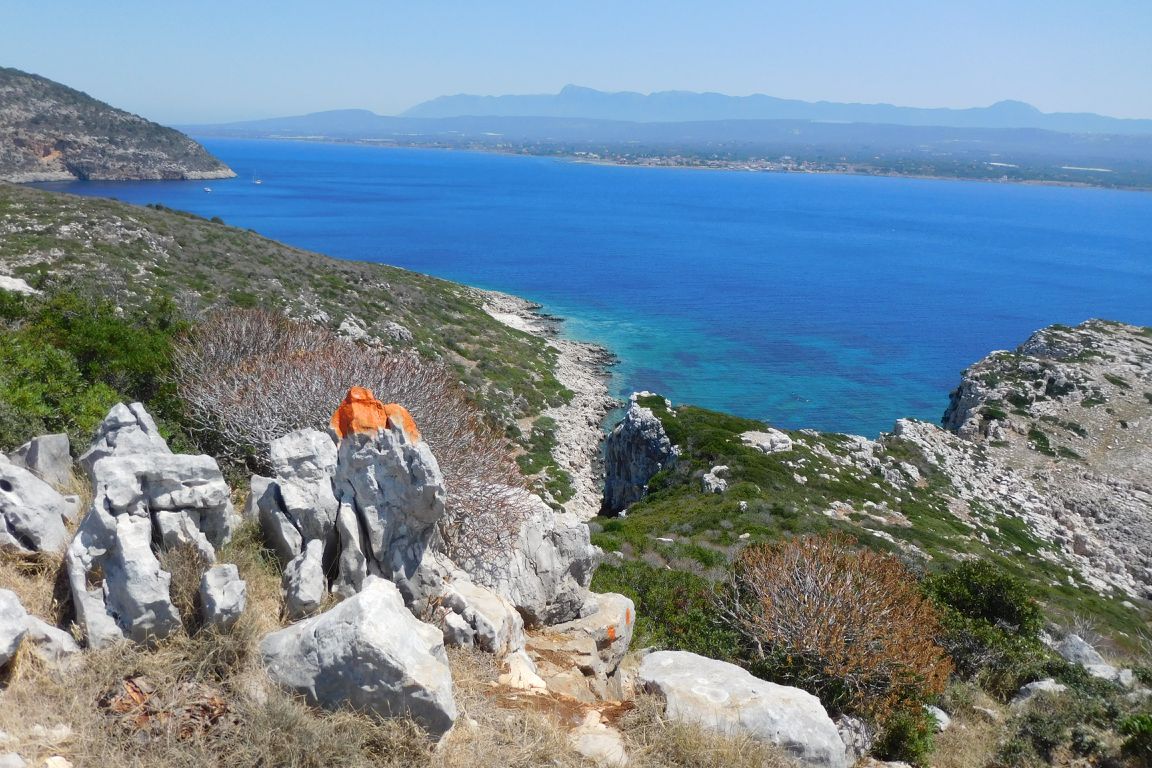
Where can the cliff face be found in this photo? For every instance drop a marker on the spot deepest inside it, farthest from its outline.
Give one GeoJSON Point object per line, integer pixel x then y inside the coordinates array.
{"type": "Point", "coordinates": [636, 449]}
{"type": "Point", "coordinates": [49, 132]}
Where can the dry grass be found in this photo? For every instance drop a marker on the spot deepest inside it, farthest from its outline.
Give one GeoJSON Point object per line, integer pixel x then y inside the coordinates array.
{"type": "Point", "coordinates": [204, 700]}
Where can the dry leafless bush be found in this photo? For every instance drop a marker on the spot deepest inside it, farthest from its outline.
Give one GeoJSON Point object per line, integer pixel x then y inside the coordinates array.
{"type": "Point", "coordinates": [249, 376]}
{"type": "Point", "coordinates": [846, 623]}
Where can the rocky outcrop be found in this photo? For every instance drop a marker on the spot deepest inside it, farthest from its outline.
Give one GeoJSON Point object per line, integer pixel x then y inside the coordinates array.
{"type": "Point", "coordinates": [143, 504]}
{"type": "Point", "coordinates": [32, 513]}
{"type": "Point", "coordinates": [726, 698]}
{"type": "Point", "coordinates": [48, 457]}
{"type": "Point", "coordinates": [1068, 417]}
{"type": "Point", "coordinates": [126, 430]}
{"type": "Point", "coordinates": [368, 653]}
{"type": "Point", "coordinates": [581, 658]}
{"type": "Point", "coordinates": [635, 450]}
{"type": "Point", "coordinates": [49, 132]}
{"type": "Point", "coordinates": [767, 441]}
{"type": "Point", "coordinates": [547, 569]}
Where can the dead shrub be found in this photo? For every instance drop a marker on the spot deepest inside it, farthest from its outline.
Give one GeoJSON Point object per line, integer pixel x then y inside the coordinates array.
{"type": "Point", "coordinates": [250, 376]}
{"type": "Point", "coordinates": [845, 623]}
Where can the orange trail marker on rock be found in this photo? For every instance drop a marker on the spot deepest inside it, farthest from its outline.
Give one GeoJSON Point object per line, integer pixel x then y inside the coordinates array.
{"type": "Point", "coordinates": [362, 412]}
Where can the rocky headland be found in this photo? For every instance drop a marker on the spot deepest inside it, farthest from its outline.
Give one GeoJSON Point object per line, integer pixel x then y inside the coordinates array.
{"type": "Point", "coordinates": [50, 132]}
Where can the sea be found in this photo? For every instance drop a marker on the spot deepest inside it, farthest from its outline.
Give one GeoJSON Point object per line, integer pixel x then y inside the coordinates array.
{"type": "Point", "coordinates": [835, 302]}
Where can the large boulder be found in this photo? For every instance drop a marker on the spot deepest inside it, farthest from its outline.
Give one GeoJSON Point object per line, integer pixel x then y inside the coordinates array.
{"type": "Point", "coordinates": [303, 584]}
{"type": "Point", "coordinates": [50, 644]}
{"type": "Point", "coordinates": [13, 625]}
{"type": "Point", "coordinates": [32, 513]}
{"type": "Point", "coordinates": [635, 450]}
{"type": "Point", "coordinates": [126, 430]}
{"type": "Point", "coordinates": [49, 457]}
{"type": "Point", "coordinates": [369, 654]}
{"type": "Point", "coordinates": [724, 697]}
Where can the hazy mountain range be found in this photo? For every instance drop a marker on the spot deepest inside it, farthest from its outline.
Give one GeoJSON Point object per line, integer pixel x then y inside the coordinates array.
{"type": "Point", "coordinates": [684, 106]}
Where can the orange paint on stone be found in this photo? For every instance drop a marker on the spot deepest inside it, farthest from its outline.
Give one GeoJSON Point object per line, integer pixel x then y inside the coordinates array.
{"type": "Point", "coordinates": [362, 412]}
{"type": "Point", "coordinates": [611, 634]}
{"type": "Point", "coordinates": [627, 615]}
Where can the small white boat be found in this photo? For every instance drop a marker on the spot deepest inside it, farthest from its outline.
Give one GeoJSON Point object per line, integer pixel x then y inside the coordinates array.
{"type": "Point", "coordinates": [207, 189]}
{"type": "Point", "coordinates": [258, 181]}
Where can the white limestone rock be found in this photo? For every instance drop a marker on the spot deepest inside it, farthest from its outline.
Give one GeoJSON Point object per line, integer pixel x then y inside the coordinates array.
{"type": "Point", "coordinates": [304, 585]}
{"type": "Point", "coordinates": [223, 595]}
{"type": "Point", "coordinates": [48, 457]}
{"type": "Point", "coordinates": [1029, 691]}
{"type": "Point", "coordinates": [548, 567]}
{"type": "Point", "coordinates": [767, 441]}
{"type": "Point", "coordinates": [601, 744]}
{"type": "Point", "coordinates": [126, 430]}
{"type": "Point", "coordinates": [32, 513]}
{"type": "Point", "coordinates": [304, 463]}
{"type": "Point", "coordinates": [141, 500]}
{"type": "Point", "coordinates": [726, 698]}
{"type": "Point", "coordinates": [51, 644]}
{"type": "Point", "coordinates": [396, 488]}
{"type": "Point", "coordinates": [266, 506]}
{"type": "Point", "coordinates": [368, 654]}
{"type": "Point", "coordinates": [491, 622]}
{"type": "Point", "coordinates": [13, 625]}
{"type": "Point", "coordinates": [713, 480]}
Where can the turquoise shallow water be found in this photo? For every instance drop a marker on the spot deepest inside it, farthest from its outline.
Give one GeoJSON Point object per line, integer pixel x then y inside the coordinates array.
{"type": "Point", "coordinates": [833, 302]}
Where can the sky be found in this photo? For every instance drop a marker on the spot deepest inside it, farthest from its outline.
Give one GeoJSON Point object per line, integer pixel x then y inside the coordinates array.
{"type": "Point", "coordinates": [215, 61]}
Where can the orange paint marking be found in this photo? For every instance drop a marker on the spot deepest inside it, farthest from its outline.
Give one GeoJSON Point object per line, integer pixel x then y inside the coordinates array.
{"type": "Point", "coordinates": [361, 412]}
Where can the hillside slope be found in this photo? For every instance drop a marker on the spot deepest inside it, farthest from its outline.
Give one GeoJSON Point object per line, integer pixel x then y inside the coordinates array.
{"type": "Point", "coordinates": [50, 132]}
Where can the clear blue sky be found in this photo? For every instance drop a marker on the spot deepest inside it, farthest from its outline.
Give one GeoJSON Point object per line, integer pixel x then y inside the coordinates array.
{"type": "Point", "coordinates": [210, 60]}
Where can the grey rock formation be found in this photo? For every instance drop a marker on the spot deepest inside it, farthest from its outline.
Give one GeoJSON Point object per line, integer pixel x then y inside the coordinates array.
{"type": "Point", "coordinates": [32, 513]}
{"type": "Point", "coordinates": [943, 721]}
{"type": "Point", "coordinates": [1031, 690]}
{"type": "Point", "coordinates": [266, 506]}
{"type": "Point", "coordinates": [547, 569]}
{"type": "Point", "coordinates": [304, 585]}
{"type": "Point", "coordinates": [581, 658]}
{"type": "Point", "coordinates": [223, 596]}
{"type": "Point", "coordinates": [635, 450]}
{"type": "Point", "coordinates": [142, 504]}
{"type": "Point", "coordinates": [1075, 650]}
{"type": "Point", "coordinates": [726, 698]}
{"type": "Point", "coordinates": [12, 760]}
{"type": "Point", "coordinates": [51, 644]}
{"type": "Point", "coordinates": [395, 486]}
{"type": "Point", "coordinates": [477, 616]}
{"type": "Point", "coordinates": [126, 430]}
{"type": "Point", "coordinates": [48, 457]}
{"type": "Point", "coordinates": [368, 653]}
{"type": "Point", "coordinates": [303, 463]}
{"type": "Point", "coordinates": [13, 625]}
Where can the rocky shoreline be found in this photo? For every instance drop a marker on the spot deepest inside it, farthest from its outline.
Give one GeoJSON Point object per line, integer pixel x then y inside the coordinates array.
{"type": "Point", "coordinates": [583, 368]}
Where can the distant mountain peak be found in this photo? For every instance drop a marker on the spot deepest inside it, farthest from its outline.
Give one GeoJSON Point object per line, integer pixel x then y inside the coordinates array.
{"type": "Point", "coordinates": [580, 102]}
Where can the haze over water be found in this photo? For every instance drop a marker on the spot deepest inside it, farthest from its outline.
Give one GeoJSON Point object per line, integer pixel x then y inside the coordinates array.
{"type": "Point", "coordinates": [832, 302]}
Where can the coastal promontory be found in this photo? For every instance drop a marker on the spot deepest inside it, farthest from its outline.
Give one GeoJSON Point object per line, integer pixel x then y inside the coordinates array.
{"type": "Point", "coordinates": [50, 132]}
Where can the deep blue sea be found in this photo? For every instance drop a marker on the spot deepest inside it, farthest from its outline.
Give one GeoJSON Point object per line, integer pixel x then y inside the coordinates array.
{"type": "Point", "coordinates": [833, 302]}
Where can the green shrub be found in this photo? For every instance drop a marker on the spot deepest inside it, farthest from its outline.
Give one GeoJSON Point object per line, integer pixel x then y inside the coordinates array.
{"type": "Point", "coordinates": [991, 624]}
{"type": "Point", "coordinates": [674, 609]}
{"type": "Point", "coordinates": [908, 736]}
{"type": "Point", "coordinates": [1137, 730]}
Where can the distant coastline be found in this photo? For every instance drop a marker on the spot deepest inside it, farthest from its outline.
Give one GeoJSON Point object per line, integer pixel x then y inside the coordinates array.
{"type": "Point", "coordinates": [681, 162]}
